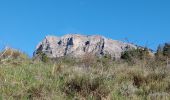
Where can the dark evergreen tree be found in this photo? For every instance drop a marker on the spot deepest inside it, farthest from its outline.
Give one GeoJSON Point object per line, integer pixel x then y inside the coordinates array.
{"type": "Point", "coordinates": [159, 51]}
{"type": "Point", "coordinates": [166, 50]}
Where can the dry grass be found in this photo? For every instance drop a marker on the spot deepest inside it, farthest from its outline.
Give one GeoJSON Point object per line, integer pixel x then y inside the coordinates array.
{"type": "Point", "coordinates": [99, 79]}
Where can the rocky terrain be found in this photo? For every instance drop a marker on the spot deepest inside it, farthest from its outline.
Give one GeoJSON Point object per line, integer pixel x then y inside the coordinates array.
{"type": "Point", "coordinates": [76, 45]}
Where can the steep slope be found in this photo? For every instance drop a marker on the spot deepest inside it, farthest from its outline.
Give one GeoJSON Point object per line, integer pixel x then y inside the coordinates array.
{"type": "Point", "coordinates": [76, 45]}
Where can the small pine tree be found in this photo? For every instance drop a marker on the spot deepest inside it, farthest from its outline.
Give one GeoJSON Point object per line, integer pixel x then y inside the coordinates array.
{"type": "Point", "coordinates": [41, 56]}
{"type": "Point", "coordinates": [166, 50]}
{"type": "Point", "coordinates": [159, 53]}
{"type": "Point", "coordinates": [45, 58]}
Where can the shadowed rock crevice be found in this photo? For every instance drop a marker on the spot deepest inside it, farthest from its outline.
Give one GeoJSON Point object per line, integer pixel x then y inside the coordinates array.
{"type": "Point", "coordinates": [68, 45]}
{"type": "Point", "coordinates": [102, 52]}
{"type": "Point", "coordinates": [60, 42]}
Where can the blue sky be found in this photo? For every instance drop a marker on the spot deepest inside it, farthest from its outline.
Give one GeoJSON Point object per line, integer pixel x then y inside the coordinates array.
{"type": "Point", "coordinates": [24, 23]}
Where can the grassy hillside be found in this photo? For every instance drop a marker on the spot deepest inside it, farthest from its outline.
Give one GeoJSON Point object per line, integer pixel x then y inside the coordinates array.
{"type": "Point", "coordinates": [91, 78]}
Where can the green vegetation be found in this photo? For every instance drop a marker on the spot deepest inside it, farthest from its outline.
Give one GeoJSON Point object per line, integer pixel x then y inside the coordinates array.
{"type": "Point", "coordinates": [134, 55]}
{"type": "Point", "coordinates": [137, 77]}
{"type": "Point", "coordinates": [166, 50]}
{"type": "Point", "coordinates": [42, 57]}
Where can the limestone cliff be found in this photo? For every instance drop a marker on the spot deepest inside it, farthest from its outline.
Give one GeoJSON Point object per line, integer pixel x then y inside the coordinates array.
{"type": "Point", "coordinates": [77, 45]}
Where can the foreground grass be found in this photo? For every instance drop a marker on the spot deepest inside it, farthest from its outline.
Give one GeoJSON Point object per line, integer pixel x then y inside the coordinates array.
{"type": "Point", "coordinates": [68, 79]}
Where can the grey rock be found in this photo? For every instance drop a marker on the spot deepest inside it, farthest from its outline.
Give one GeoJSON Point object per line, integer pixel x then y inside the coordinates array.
{"type": "Point", "coordinates": [76, 45]}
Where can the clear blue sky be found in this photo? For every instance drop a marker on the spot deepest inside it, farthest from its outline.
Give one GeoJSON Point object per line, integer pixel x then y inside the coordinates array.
{"type": "Point", "coordinates": [24, 23]}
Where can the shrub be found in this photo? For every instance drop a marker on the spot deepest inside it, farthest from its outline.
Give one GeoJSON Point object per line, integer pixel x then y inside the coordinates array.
{"type": "Point", "coordinates": [85, 86]}
{"type": "Point", "coordinates": [44, 58]}
{"type": "Point", "coordinates": [166, 50]}
{"type": "Point", "coordinates": [159, 55]}
{"type": "Point", "coordinates": [41, 56]}
{"type": "Point", "coordinates": [134, 55]}
{"type": "Point", "coordinates": [163, 54]}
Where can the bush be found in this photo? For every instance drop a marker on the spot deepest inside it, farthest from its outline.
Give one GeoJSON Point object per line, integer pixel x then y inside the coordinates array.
{"type": "Point", "coordinates": [134, 55]}
{"type": "Point", "coordinates": [166, 50]}
{"type": "Point", "coordinates": [163, 54]}
{"type": "Point", "coordinates": [85, 86]}
{"type": "Point", "coordinates": [159, 55]}
{"type": "Point", "coordinates": [42, 57]}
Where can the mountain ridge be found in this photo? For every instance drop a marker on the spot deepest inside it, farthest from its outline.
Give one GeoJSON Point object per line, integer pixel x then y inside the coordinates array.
{"type": "Point", "coordinates": [77, 45]}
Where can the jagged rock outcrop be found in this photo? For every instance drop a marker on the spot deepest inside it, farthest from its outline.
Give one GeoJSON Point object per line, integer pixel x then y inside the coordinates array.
{"type": "Point", "coordinates": [76, 45]}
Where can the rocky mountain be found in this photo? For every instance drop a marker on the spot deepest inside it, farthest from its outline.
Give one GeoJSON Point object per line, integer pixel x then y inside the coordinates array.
{"type": "Point", "coordinates": [76, 45]}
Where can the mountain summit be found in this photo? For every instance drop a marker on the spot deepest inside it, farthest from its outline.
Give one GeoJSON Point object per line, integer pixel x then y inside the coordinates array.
{"type": "Point", "coordinates": [76, 45]}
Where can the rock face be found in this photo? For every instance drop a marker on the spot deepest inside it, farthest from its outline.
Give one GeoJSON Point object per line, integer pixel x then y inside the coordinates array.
{"type": "Point", "coordinates": [76, 45]}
